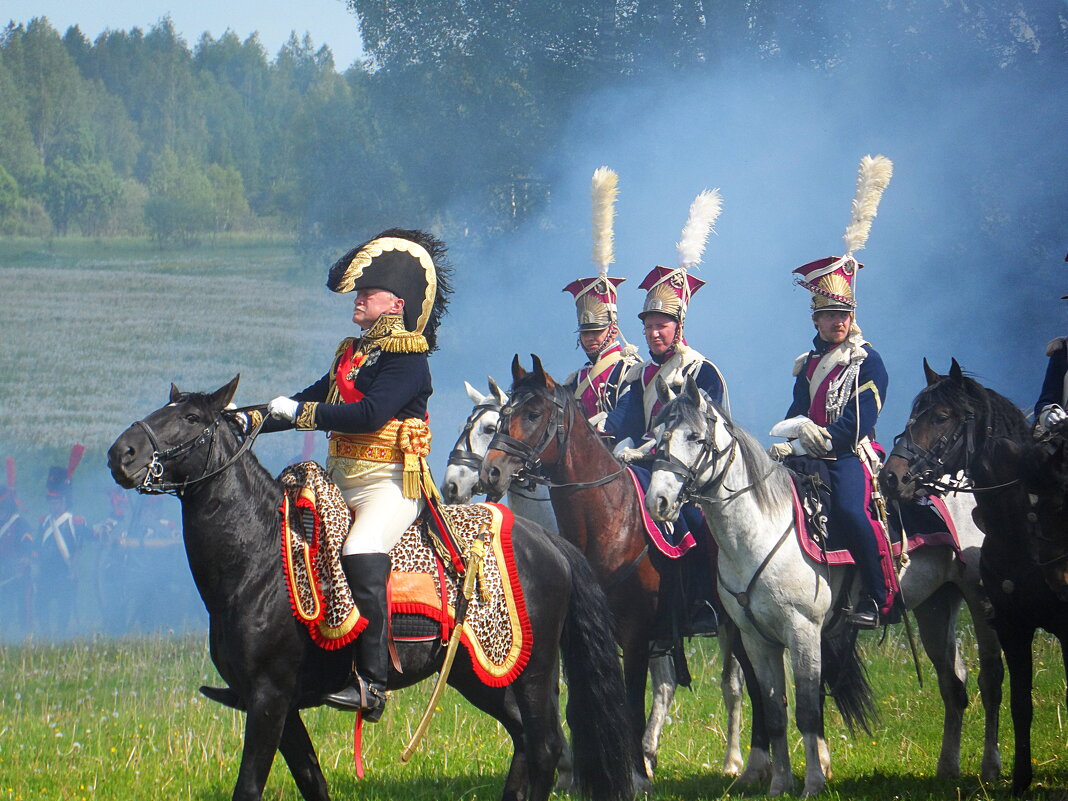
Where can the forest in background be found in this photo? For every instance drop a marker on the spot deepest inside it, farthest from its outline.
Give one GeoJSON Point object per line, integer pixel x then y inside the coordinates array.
{"type": "Point", "coordinates": [456, 118]}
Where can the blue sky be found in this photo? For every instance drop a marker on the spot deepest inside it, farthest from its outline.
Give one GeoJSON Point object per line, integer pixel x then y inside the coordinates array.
{"type": "Point", "coordinates": [328, 21]}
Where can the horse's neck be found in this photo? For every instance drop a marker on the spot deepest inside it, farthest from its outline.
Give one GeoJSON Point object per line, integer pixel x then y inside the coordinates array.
{"type": "Point", "coordinates": [229, 528]}
{"type": "Point", "coordinates": [734, 516]}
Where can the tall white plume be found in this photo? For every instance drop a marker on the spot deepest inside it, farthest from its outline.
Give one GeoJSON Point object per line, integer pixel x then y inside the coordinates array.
{"type": "Point", "coordinates": [872, 178]}
{"type": "Point", "coordinates": [604, 189]}
{"type": "Point", "coordinates": [703, 213]}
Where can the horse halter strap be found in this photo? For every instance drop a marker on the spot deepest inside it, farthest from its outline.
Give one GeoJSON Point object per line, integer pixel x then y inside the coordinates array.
{"type": "Point", "coordinates": [691, 474]}
{"type": "Point", "coordinates": [461, 454]}
{"type": "Point", "coordinates": [152, 485]}
{"type": "Point", "coordinates": [926, 467]}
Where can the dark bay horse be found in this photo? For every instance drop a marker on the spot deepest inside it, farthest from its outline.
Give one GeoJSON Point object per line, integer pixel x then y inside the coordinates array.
{"type": "Point", "coordinates": [231, 527]}
{"type": "Point", "coordinates": [598, 509]}
{"type": "Point", "coordinates": [959, 426]}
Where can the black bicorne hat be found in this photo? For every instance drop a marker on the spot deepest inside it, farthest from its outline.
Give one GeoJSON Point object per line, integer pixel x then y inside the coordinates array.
{"type": "Point", "coordinates": [410, 264]}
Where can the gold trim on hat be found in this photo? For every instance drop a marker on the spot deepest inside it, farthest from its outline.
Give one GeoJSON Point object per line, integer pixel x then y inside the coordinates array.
{"type": "Point", "coordinates": [375, 248]}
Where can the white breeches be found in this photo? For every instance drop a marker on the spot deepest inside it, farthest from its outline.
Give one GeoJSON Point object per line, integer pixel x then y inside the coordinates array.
{"type": "Point", "coordinates": [380, 511]}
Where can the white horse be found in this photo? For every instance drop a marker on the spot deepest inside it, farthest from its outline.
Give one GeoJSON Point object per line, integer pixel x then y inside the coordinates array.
{"type": "Point", "coordinates": [465, 460]}
{"type": "Point", "coordinates": [461, 482]}
{"type": "Point", "coordinates": [782, 599]}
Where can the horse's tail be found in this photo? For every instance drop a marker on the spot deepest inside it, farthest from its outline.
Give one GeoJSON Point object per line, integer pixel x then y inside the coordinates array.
{"type": "Point", "coordinates": [845, 679]}
{"type": "Point", "coordinates": [601, 735]}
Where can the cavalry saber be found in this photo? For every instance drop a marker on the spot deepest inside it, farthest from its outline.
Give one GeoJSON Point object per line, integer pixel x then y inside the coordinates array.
{"type": "Point", "coordinates": [474, 560]}
{"type": "Point", "coordinates": [884, 518]}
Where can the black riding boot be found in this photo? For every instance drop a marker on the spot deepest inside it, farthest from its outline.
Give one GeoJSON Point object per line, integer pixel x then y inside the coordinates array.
{"type": "Point", "coordinates": [367, 574]}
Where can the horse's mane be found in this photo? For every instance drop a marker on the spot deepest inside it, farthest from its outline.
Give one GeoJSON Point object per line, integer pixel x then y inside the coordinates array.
{"type": "Point", "coordinates": [994, 413]}
{"type": "Point", "coordinates": [771, 484]}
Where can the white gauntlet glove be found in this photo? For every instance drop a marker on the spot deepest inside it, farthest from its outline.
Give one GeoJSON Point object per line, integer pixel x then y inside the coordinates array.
{"type": "Point", "coordinates": [283, 408]}
{"type": "Point", "coordinates": [815, 439]}
{"type": "Point", "coordinates": [780, 450]}
{"type": "Point", "coordinates": [1050, 416]}
{"type": "Point", "coordinates": [629, 455]}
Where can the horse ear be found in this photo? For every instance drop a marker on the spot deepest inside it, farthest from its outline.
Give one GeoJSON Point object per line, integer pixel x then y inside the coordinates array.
{"type": "Point", "coordinates": [663, 391]}
{"type": "Point", "coordinates": [517, 370]}
{"type": "Point", "coordinates": [932, 376]}
{"type": "Point", "coordinates": [694, 392]}
{"type": "Point", "coordinates": [473, 394]}
{"type": "Point", "coordinates": [539, 371]}
{"type": "Point", "coordinates": [496, 391]}
{"type": "Point", "coordinates": [221, 397]}
{"type": "Point", "coordinates": [174, 393]}
{"type": "Point", "coordinates": [955, 372]}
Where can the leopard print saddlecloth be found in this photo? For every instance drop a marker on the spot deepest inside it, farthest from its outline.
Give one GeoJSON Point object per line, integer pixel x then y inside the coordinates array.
{"type": "Point", "coordinates": [315, 521]}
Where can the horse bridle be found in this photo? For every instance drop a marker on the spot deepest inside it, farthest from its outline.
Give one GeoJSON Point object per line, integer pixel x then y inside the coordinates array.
{"type": "Point", "coordinates": [691, 474]}
{"type": "Point", "coordinates": [152, 484]}
{"type": "Point", "coordinates": [555, 430]}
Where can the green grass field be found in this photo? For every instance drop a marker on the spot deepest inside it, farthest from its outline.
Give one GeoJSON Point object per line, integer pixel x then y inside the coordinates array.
{"type": "Point", "coordinates": [122, 719]}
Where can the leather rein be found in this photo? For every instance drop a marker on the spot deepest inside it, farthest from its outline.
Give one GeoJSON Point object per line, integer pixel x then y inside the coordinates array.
{"type": "Point", "coordinates": [464, 455]}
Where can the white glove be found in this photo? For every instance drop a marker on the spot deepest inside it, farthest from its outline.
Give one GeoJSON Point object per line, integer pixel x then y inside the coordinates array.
{"type": "Point", "coordinates": [283, 408]}
{"type": "Point", "coordinates": [1050, 416]}
{"type": "Point", "coordinates": [597, 421]}
{"type": "Point", "coordinates": [631, 455]}
{"type": "Point", "coordinates": [780, 450]}
{"type": "Point", "coordinates": [815, 439]}
{"type": "Point", "coordinates": [623, 445]}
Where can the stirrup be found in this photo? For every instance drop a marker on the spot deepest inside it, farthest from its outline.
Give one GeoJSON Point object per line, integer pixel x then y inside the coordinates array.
{"type": "Point", "coordinates": [366, 697]}
{"type": "Point", "coordinates": [703, 622]}
{"type": "Point", "coordinates": [864, 616]}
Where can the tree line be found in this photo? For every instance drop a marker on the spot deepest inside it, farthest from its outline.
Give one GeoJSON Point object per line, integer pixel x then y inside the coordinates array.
{"type": "Point", "coordinates": [450, 118]}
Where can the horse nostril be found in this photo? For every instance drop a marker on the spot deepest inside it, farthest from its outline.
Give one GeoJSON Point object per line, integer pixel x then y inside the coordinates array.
{"type": "Point", "coordinates": [494, 475]}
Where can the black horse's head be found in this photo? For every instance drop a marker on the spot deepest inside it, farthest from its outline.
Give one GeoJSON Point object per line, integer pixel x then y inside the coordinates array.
{"type": "Point", "coordinates": [531, 431]}
{"type": "Point", "coordinates": [172, 445]}
{"type": "Point", "coordinates": [956, 425]}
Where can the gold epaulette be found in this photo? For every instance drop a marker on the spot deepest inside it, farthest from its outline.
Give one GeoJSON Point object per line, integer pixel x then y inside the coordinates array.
{"type": "Point", "coordinates": [403, 342]}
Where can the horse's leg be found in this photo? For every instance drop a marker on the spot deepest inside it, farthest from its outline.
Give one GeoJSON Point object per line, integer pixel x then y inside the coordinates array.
{"type": "Point", "coordinates": [805, 658]}
{"type": "Point", "coordinates": [1017, 642]}
{"type": "Point", "coordinates": [565, 769]}
{"type": "Point", "coordinates": [268, 709]}
{"type": "Point", "coordinates": [662, 673]}
{"type": "Point", "coordinates": [635, 674]}
{"type": "Point", "coordinates": [936, 619]}
{"type": "Point", "coordinates": [767, 659]}
{"type": "Point", "coordinates": [758, 766]}
{"type": "Point", "coordinates": [299, 754]}
{"type": "Point", "coordinates": [730, 685]}
{"type": "Point", "coordinates": [539, 710]}
{"type": "Point", "coordinates": [499, 703]}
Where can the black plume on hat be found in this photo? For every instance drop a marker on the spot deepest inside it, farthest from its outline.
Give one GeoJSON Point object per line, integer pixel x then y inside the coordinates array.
{"type": "Point", "coordinates": [424, 283]}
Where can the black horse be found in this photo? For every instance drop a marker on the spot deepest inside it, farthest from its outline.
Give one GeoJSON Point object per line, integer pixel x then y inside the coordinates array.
{"type": "Point", "coordinates": [958, 425]}
{"type": "Point", "coordinates": [230, 517]}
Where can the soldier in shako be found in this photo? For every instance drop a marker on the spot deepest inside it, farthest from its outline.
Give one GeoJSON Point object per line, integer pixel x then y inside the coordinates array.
{"type": "Point", "coordinates": [16, 554]}
{"type": "Point", "coordinates": [373, 403]}
{"type": "Point", "coordinates": [668, 293]}
{"type": "Point", "coordinates": [61, 534]}
{"type": "Point", "coordinates": [839, 390]}
{"type": "Point", "coordinates": [600, 383]}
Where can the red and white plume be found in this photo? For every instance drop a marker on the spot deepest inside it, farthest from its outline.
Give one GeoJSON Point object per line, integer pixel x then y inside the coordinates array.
{"type": "Point", "coordinates": [75, 457]}
{"type": "Point", "coordinates": [703, 213]}
{"type": "Point", "coordinates": [604, 189]}
{"type": "Point", "coordinates": [872, 179]}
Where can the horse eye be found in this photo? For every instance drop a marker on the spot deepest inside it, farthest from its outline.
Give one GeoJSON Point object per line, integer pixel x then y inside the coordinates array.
{"type": "Point", "coordinates": [692, 437]}
{"type": "Point", "coordinates": [193, 418]}
{"type": "Point", "coordinates": [941, 418]}
{"type": "Point", "coordinates": [532, 416]}
{"type": "Point", "coordinates": [488, 429]}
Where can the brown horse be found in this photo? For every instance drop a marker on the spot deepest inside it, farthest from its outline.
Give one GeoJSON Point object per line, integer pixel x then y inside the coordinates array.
{"type": "Point", "coordinates": [543, 433]}
{"type": "Point", "coordinates": [958, 425]}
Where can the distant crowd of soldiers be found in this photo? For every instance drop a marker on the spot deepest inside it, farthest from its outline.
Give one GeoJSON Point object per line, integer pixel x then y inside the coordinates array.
{"type": "Point", "coordinates": [62, 575]}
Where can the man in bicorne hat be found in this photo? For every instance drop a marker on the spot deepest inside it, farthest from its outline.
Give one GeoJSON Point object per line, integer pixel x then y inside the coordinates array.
{"type": "Point", "coordinates": [373, 401]}
{"type": "Point", "coordinates": [598, 385]}
{"type": "Point", "coordinates": [839, 390]}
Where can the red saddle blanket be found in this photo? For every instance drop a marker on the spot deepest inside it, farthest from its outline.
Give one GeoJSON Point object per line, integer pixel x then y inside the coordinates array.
{"type": "Point", "coordinates": [314, 523]}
